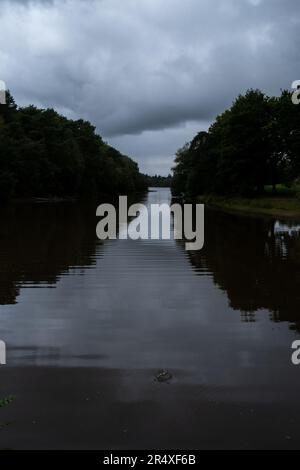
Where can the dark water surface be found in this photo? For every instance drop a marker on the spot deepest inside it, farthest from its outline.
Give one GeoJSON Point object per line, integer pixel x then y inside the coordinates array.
{"type": "Point", "coordinates": [88, 324]}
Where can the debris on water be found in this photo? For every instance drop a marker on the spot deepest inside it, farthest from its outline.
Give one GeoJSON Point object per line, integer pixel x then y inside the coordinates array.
{"type": "Point", "coordinates": [163, 376]}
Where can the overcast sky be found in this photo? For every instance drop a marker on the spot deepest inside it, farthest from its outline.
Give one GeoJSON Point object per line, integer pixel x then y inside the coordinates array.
{"type": "Point", "coordinates": [148, 73]}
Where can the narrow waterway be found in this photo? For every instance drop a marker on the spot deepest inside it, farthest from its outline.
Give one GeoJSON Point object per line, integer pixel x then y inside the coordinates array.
{"type": "Point", "coordinates": [89, 324]}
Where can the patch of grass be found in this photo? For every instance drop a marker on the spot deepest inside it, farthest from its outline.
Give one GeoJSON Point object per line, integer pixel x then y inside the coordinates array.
{"type": "Point", "coordinates": [282, 206]}
{"type": "Point", "coordinates": [281, 190]}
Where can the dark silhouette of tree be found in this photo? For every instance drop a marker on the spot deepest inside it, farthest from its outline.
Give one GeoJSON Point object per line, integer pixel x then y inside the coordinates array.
{"type": "Point", "coordinates": [158, 181]}
{"type": "Point", "coordinates": [44, 154]}
{"type": "Point", "coordinates": [255, 262]}
{"type": "Point", "coordinates": [254, 143]}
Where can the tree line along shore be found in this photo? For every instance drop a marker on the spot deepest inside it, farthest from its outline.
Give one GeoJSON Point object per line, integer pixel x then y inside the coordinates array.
{"type": "Point", "coordinates": [249, 159]}
{"type": "Point", "coordinates": [46, 155]}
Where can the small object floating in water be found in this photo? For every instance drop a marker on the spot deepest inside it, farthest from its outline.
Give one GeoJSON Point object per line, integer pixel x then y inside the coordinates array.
{"type": "Point", "coordinates": [163, 376]}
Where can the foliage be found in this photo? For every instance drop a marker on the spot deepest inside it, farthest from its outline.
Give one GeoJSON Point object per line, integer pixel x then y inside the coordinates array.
{"type": "Point", "coordinates": [157, 181]}
{"type": "Point", "coordinates": [253, 144]}
{"type": "Point", "coordinates": [44, 154]}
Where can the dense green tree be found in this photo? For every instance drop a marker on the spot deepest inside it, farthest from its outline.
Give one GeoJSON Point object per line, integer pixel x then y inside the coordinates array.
{"type": "Point", "coordinates": [158, 181]}
{"type": "Point", "coordinates": [285, 134]}
{"type": "Point", "coordinates": [44, 154]}
{"type": "Point", "coordinates": [241, 145]}
{"type": "Point", "coordinates": [254, 143]}
{"type": "Point", "coordinates": [182, 170]}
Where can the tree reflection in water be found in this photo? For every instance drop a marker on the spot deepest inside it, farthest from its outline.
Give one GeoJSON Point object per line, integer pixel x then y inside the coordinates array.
{"type": "Point", "coordinates": [256, 261]}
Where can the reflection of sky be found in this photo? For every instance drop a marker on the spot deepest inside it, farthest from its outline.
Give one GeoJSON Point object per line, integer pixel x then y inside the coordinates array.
{"type": "Point", "coordinates": [286, 228]}
{"type": "Point", "coordinates": [283, 231]}
{"type": "Point", "coordinates": [147, 223]}
{"type": "Point", "coordinates": [144, 306]}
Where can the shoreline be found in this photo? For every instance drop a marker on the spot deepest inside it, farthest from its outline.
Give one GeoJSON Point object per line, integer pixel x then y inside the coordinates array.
{"type": "Point", "coordinates": [69, 199]}
{"type": "Point", "coordinates": [285, 207]}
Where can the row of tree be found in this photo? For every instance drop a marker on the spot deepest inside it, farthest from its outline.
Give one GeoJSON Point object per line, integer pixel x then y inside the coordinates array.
{"type": "Point", "coordinates": [253, 144]}
{"type": "Point", "coordinates": [43, 154]}
{"type": "Point", "coordinates": [158, 181]}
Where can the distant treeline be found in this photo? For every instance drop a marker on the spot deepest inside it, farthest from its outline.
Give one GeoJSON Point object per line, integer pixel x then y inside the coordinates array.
{"type": "Point", "coordinates": [43, 154]}
{"type": "Point", "coordinates": [159, 181]}
{"type": "Point", "coordinates": [253, 144]}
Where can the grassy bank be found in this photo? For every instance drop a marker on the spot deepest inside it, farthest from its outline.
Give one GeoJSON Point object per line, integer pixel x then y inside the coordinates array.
{"type": "Point", "coordinates": [286, 203]}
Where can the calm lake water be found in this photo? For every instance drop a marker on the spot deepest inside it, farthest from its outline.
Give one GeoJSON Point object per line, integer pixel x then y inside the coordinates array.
{"type": "Point", "coordinates": [222, 319]}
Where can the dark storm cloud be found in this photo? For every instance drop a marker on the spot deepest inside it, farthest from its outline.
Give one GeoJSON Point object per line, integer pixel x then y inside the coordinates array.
{"type": "Point", "coordinates": [31, 1]}
{"type": "Point", "coordinates": [138, 66]}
